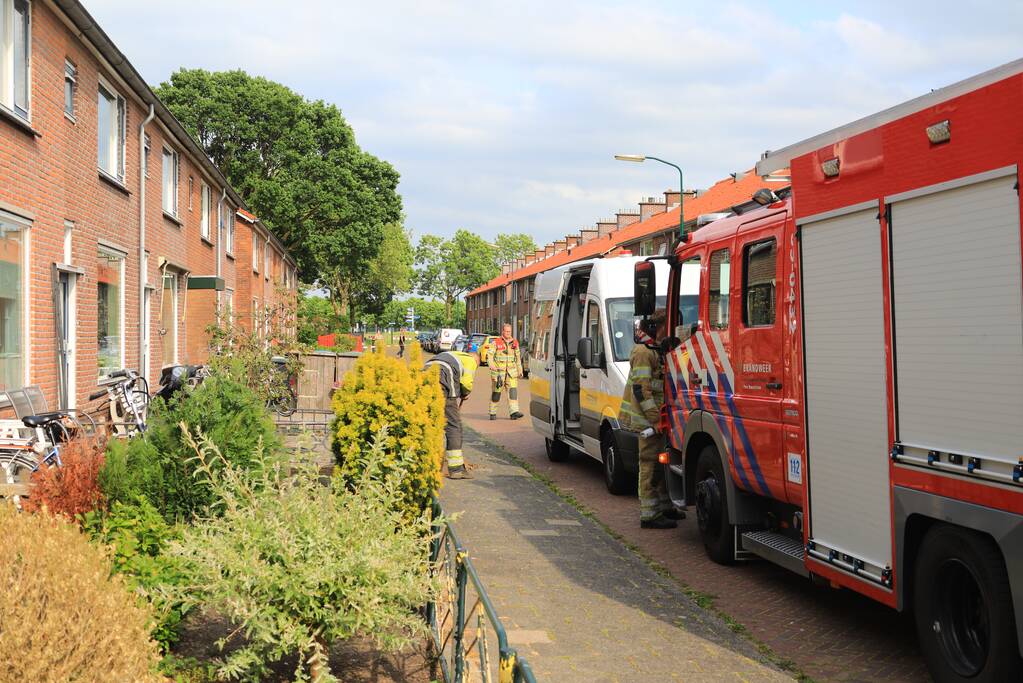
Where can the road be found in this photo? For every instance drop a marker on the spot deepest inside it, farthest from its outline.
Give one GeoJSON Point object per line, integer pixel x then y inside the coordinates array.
{"type": "Point", "coordinates": [828, 635]}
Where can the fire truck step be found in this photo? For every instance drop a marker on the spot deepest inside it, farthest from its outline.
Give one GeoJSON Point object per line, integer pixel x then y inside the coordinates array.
{"type": "Point", "coordinates": [777, 548]}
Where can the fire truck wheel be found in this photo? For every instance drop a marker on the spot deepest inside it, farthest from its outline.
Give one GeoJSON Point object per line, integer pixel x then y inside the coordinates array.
{"type": "Point", "coordinates": [963, 606]}
{"type": "Point", "coordinates": [557, 451]}
{"type": "Point", "coordinates": [616, 478]}
{"type": "Point", "coordinates": [712, 508]}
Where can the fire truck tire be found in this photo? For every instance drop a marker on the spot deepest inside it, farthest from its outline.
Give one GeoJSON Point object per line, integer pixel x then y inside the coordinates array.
{"type": "Point", "coordinates": [557, 451]}
{"type": "Point", "coordinates": [717, 533]}
{"type": "Point", "coordinates": [616, 479]}
{"type": "Point", "coordinates": [963, 608]}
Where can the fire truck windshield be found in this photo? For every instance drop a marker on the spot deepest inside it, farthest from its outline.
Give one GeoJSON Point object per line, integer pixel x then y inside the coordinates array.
{"type": "Point", "coordinates": [622, 325]}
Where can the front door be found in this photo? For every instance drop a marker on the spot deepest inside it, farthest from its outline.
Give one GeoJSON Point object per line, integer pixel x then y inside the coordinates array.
{"type": "Point", "coordinates": [66, 338]}
{"type": "Point", "coordinates": [755, 384]}
{"type": "Point", "coordinates": [593, 389]}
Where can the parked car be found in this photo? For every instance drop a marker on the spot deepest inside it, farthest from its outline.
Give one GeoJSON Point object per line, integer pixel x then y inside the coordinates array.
{"type": "Point", "coordinates": [485, 347]}
{"type": "Point", "coordinates": [476, 341]}
{"type": "Point", "coordinates": [447, 337]}
{"type": "Point", "coordinates": [431, 342]}
{"type": "Point", "coordinates": [461, 343]}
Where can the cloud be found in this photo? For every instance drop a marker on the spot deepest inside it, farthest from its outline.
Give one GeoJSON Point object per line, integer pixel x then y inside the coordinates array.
{"type": "Point", "coordinates": [505, 116]}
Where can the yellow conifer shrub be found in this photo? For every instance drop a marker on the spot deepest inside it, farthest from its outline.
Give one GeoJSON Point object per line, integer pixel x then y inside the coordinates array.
{"type": "Point", "coordinates": [379, 392]}
{"type": "Point", "coordinates": [63, 617]}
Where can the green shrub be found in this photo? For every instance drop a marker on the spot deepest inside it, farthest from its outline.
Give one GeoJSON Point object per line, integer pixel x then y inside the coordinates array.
{"type": "Point", "coordinates": [137, 536]}
{"type": "Point", "coordinates": [298, 565]}
{"type": "Point", "coordinates": [63, 617]}
{"type": "Point", "coordinates": [157, 466]}
{"type": "Point", "coordinates": [381, 392]}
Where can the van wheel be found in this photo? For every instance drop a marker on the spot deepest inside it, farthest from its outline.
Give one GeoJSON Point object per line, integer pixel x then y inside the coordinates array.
{"type": "Point", "coordinates": [712, 508]}
{"type": "Point", "coordinates": [556, 450]}
{"type": "Point", "coordinates": [963, 608]}
{"type": "Point", "coordinates": [616, 478]}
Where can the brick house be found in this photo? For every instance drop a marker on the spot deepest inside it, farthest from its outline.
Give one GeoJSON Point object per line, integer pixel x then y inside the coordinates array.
{"type": "Point", "coordinates": [118, 236]}
{"type": "Point", "coordinates": [646, 231]}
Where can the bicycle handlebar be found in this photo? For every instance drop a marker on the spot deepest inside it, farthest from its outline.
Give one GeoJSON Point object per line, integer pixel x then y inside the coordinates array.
{"type": "Point", "coordinates": [118, 373]}
{"type": "Point", "coordinates": [94, 396]}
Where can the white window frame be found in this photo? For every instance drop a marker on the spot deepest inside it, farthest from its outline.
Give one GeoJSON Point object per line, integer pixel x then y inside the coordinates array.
{"type": "Point", "coordinates": [266, 260]}
{"type": "Point", "coordinates": [175, 166]}
{"type": "Point", "coordinates": [147, 147]}
{"type": "Point", "coordinates": [228, 304]}
{"type": "Point", "coordinates": [204, 211]}
{"type": "Point", "coordinates": [119, 129]}
{"type": "Point", "coordinates": [230, 214]}
{"type": "Point", "coordinates": [25, 226]}
{"type": "Point", "coordinates": [7, 66]}
{"type": "Point", "coordinates": [114, 253]}
{"type": "Point", "coordinates": [70, 76]}
{"type": "Point", "coordinates": [175, 278]}
{"type": "Point", "coordinates": [255, 252]}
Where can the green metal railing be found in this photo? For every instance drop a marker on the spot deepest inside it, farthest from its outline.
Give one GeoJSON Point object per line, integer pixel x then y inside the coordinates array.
{"type": "Point", "coordinates": [464, 622]}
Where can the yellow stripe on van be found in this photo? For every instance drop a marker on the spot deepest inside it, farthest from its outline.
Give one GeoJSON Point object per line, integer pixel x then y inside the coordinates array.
{"type": "Point", "coordinates": [540, 389]}
{"type": "Point", "coordinates": [599, 403]}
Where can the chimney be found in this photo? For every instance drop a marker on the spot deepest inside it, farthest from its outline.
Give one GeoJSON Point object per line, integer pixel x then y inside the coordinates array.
{"type": "Point", "coordinates": [606, 227]}
{"type": "Point", "coordinates": [539, 254]}
{"type": "Point", "coordinates": [650, 206]}
{"type": "Point", "coordinates": [587, 234]}
{"type": "Point", "coordinates": [530, 258]}
{"type": "Point", "coordinates": [505, 268]}
{"type": "Point", "coordinates": [691, 194]}
{"type": "Point", "coordinates": [572, 241]}
{"type": "Point", "coordinates": [671, 198]}
{"type": "Point", "coordinates": [626, 218]}
{"type": "Point", "coordinates": [549, 250]}
{"type": "Point", "coordinates": [560, 246]}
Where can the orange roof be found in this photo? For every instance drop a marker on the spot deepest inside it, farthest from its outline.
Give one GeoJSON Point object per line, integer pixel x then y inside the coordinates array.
{"type": "Point", "coordinates": [721, 196]}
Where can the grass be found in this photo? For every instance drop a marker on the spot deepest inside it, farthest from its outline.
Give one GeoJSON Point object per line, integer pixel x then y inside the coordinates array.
{"type": "Point", "coordinates": [706, 601]}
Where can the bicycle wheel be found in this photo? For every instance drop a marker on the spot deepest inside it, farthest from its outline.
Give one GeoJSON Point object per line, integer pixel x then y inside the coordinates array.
{"type": "Point", "coordinates": [16, 473]}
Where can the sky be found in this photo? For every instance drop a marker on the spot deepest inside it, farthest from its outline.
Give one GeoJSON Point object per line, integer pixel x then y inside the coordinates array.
{"type": "Point", "coordinates": [505, 116]}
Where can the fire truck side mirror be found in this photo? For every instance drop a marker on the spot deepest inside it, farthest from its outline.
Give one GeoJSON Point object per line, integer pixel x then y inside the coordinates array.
{"type": "Point", "coordinates": [645, 288]}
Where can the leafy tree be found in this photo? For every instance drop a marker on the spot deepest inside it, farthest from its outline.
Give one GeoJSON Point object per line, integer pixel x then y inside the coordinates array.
{"type": "Point", "coordinates": [450, 268]}
{"type": "Point", "coordinates": [390, 273]}
{"type": "Point", "coordinates": [509, 247]}
{"type": "Point", "coordinates": [316, 316]}
{"type": "Point", "coordinates": [299, 168]}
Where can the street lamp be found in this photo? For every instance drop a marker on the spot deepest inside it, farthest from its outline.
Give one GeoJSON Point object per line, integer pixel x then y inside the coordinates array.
{"type": "Point", "coordinates": [639, 158]}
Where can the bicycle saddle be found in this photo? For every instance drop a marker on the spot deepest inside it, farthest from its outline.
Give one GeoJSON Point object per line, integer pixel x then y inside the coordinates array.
{"type": "Point", "coordinates": [42, 419]}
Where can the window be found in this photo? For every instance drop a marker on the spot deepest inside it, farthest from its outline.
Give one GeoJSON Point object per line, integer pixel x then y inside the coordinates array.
{"type": "Point", "coordinates": [110, 131]}
{"type": "Point", "coordinates": [70, 87]}
{"type": "Point", "coordinates": [266, 259]}
{"type": "Point", "coordinates": [228, 305]}
{"type": "Point", "coordinates": [720, 273]}
{"type": "Point", "coordinates": [110, 312]}
{"type": "Point", "coordinates": [229, 216]}
{"type": "Point", "coordinates": [169, 318]}
{"type": "Point", "coordinates": [688, 294]}
{"type": "Point", "coordinates": [593, 327]}
{"type": "Point", "coordinates": [15, 42]}
{"type": "Point", "coordinates": [204, 208]}
{"type": "Point", "coordinates": [12, 269]}
{"type": "Point", "coordinates": [255, 316]}
{"type": "Point", "coordinates": [646, 248]}
{"type": "Point", "coordinates": [621, 317]}
{"type": "Point", "coordinates": [170, 182]}
{"type": "Point", "coordinates": [191, 189]}
{"type": "Point", "coordinates": [255, 251]}
{"type": "Point", "coordinates": [146, 146]}
{"type": "Point", "coordinates": [759, 265]}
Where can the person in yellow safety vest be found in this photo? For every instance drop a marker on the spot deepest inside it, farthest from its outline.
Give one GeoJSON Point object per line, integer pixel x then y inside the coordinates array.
{"type": "Point", "coordinates": [456, 374]}
{"type": "Point", "coordinates": [641, 412]}
{"type": "Point", "coordinates": [505, 363]}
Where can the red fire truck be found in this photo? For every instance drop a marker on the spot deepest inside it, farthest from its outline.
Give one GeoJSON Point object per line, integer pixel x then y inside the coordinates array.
{"type": "Point", "coordinates": [847, 398]}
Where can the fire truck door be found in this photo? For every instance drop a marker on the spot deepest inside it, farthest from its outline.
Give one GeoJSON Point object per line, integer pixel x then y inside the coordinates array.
{"type": "Point", "coordinates": [756, 384]}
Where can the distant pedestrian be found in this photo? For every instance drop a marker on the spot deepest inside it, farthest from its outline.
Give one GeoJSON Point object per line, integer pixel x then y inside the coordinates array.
{"type": "Point", "coordinates": [505, 369]}
{"type": "Point", "coordinates": [401, 346]}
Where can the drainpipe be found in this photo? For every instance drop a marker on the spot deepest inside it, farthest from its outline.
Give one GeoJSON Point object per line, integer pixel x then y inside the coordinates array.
{"type": "Point", "coordinates": [142, 235]}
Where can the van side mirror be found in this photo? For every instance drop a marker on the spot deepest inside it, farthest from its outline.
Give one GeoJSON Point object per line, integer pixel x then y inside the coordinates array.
{"type": "Point", "coordinates": [645, 288]}
{"type": "Point", "coordinates": [586, 356]}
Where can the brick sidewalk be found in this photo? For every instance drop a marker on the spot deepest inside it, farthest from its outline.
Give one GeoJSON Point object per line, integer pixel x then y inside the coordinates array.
{"type": "Point", "coordinates": [576, 602]}
{"type": "Point", "coordinates": [829, 635]}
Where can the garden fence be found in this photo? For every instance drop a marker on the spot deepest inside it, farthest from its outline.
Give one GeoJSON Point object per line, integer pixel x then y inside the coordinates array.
{"type": "Point", "coordinates": [469, 640]}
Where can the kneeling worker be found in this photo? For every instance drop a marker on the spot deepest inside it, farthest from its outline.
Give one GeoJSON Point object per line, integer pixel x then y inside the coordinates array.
{"type": "Point", "coordinates": [641, 412]}
{"type": "Point", "coordinates": [456, 374]}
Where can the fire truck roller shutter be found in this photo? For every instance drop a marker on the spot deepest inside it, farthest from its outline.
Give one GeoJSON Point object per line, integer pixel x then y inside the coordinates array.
{"type": "Point", "coordinates": [958, 320]}
{"type": "Point", "coordinates": [846, 400]}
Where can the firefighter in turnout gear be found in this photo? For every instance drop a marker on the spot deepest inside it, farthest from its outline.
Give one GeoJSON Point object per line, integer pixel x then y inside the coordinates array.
{"type": "Point", "coordinates": [641, 412]}
{"type": "Point", "coordinates": [456, 374]}
{"type": "Point", "coordinates": [505, 363]}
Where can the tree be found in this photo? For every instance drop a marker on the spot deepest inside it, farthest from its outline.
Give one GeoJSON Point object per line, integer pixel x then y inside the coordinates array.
{"type": "Point", "coordinates": [315, 317]}
{"type": "Point", "coordinates": [388, 274]}
{"type": "Point", "coordinates": [431, 313]}
{"type": "Point", "coordinates": [450, 268]}
{"type": "Point", "coordinates": [509, 247]}
{"type": "Point", "coordinates": [299, 168]}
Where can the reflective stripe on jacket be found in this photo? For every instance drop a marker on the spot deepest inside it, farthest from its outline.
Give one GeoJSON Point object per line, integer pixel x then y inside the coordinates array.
{"type": "Point", "coordinates": [460, 368]}
{"type": "Point", "coordinates": [644, 390]}
{"type": "Point", "coordinates": [504, 359]}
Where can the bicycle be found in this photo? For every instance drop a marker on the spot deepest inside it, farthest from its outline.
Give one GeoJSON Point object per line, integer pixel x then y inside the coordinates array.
{"type": "Point", "coordinates": [128, 402]}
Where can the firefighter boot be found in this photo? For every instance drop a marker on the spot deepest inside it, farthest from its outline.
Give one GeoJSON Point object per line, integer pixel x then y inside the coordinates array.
{"type": "Point", "coordinates": [513, 398]}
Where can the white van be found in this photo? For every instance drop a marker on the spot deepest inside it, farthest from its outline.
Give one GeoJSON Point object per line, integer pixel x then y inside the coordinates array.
{"type": "Point", "coordinates": [447, 337]}
{"type": "Point", "coordinates": [576, 407]}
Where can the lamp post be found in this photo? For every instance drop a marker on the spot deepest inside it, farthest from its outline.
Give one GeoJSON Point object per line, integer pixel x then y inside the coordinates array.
{"type": "Point", "coordinates": [639, 158]}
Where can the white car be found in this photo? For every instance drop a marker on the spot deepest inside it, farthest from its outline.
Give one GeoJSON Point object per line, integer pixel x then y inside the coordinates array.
{"type": "Point", "coordinates": [447, 338]}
